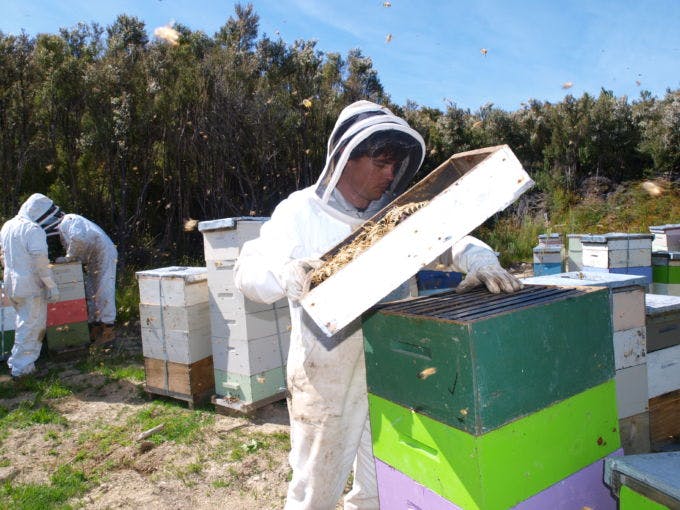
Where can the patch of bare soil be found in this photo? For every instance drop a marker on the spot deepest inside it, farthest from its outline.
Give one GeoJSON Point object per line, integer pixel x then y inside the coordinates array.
{"type": "Point", "coordinates": [238, 462]}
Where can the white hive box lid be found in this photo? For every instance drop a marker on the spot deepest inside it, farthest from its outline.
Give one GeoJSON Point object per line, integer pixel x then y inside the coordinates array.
{"type": "Point", "coordinates": [587, 279]}
{"type": "Point", "coordinates": [188, 274]}
{"type": "Point", "coordinates": [463, 192]}
{"type": "Point", "coordinates": [614, 236]}
{"type": "Point", "coordinates": [173, 286]}
{"type": "Point", "coordinates": [227, 223]}
{"type": "Point", "coordinates": [660, 303]}
{"type": "Point", "coordinates": [665, 229]}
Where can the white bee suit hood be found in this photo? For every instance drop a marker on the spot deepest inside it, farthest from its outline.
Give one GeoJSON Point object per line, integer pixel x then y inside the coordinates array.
{"type": "Point", "coordinates": [358, 123]}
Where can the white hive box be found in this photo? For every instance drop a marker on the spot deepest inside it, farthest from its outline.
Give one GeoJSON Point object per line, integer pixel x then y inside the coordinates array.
{"type": "Point", "coordinates": [173, 286]}
{"type": "Point", "coordinates": [249, 340]}
{"type": "Point", "coordinates": [574, 252]}
{"type": "Point", "coordinates": [666, 237]}
{"type": "Point", "coordinates": [463, 192]}
{"type": "Point", "coordinates": [174, 314]}
{"type": "Point", "coordinates": [627, 300]}
{"type": "Point", "coordinates": [7, 324]}
{"type": "Point", "coordinates": [617, 250]}
{"type": "Point", "coordinates": [547, 240]}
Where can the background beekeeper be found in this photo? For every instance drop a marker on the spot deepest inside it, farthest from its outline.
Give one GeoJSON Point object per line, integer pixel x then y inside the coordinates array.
{"type": "Point", "coordinates": [28, 280]}
{"type": "Point", "coordinates": [372, 156]}
{"type": "Point", "coordinates": [85, 241]}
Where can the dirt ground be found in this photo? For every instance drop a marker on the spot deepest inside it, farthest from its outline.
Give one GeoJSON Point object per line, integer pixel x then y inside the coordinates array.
{"type": "Point", "coordinates": [237, 462]}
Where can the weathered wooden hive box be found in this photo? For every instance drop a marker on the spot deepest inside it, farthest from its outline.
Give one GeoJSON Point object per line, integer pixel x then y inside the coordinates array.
{"type": "Point", "coordinates": [67, 326]}
{"type": "Point", "coordinates": [174, 310]}
{"type": "Point", "coordinates": [490, 400]}
{"type": "Point", "coordinates": [666, 237]}
{"type": "Point", "coordinates": [463, 192]}
{"type": "Point", "coordinates": [574, 252]}
{"type": "Point", "coordinates": [645, 482]}
{"type": "Point", "coordinates": [618, 253]}
{"type": "Point", "coordinates": [663, 360]}
{"type": "Point", "coordinates": [7, 324]}
{"type": "Point", "coordinates": [249, 340]}
{"type": "Point", "coordinates": [666, 272]}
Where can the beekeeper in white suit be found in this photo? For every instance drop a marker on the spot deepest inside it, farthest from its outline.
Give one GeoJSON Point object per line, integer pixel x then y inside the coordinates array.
{"type": "Point", "coordinates": [28, 281]}
{"type": "Point", "coordinates": [85, 241]}
{"type": "Point", "coordinates": [372, 156]}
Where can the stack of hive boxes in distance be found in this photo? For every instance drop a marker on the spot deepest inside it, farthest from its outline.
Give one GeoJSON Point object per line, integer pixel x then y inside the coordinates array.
{"type": "Point", "coordinates": [487, 401]}
{"type": "Point", "coordinates": [663, 367]}
{"type": "Point", "coordinates": [575, 252]}
{"type": "Point", "coordinates": [629, 339]}
{"type": "Point", "coordinates": [618, 253]}
{"type": "Point", "coordinates": [645, 482]}
{"type": "Point", "coordinates": [173, 312]}
{"type": "Point", "coordinates": [249, 340]}
{"type": "Point", "coordinates": [67, 327]}
{"type": "Point", "coordinates": [7, 324]}
{"type": "Point", "coordinates": [666, 259]}
{"type": "Point", "coordinates": [548, 255]}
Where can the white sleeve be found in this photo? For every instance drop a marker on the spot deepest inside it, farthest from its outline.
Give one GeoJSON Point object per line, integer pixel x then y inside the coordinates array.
{"type": "Point", "coordinates": [261, 260]}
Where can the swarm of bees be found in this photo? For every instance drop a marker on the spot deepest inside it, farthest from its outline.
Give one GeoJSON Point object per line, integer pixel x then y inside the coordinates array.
{"type": "Point", "coordinates": [371, 233]}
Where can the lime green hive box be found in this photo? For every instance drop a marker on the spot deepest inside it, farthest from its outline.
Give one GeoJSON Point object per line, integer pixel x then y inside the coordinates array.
{"type": "Point", "coordinates": [489, 399]}
{"type": "Point", "coordinates": [477, 361]}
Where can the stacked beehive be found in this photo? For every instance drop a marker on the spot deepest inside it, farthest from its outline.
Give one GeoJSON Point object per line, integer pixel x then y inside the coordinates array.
{"type": "Point", "coordinates": [618, 253]}
{"type": "Point", "coordinates": [666, 237]}
{"type": "Point", "coordinates": [249, 340]}
{"type": "Point", "coordinates": [666, 259]}
{"type": "Point", "coordinates": [7, 324]}
{"type": "Point", "coordinates": [575, 252]}
{"type": "Point", "coordinates": [629, 339]}
{"type": "Point", "coordinates": [67, 327]}
{"type": "Point", "coordinates": [663, 366]}
{"type": "Point", "coordinates": [645, 482]}
{"type": "Point", "coordinates": [548, 255]}
{"type": "Point", "coordinates": [485, 401]}
{"type": "Point", "coordinates": [173, 312]}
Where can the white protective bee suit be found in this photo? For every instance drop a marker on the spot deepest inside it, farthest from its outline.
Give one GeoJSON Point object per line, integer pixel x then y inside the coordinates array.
{"type": "Point", "coordinates": [84, 240]}
{"type": "Point", "coordinates": [326, 377]}
{"type": "Point", "coordinates": [28, 281]}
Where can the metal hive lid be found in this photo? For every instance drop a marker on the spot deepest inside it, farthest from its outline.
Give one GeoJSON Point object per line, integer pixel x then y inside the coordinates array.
{"type": "Point", "coordinates": [480, 303]}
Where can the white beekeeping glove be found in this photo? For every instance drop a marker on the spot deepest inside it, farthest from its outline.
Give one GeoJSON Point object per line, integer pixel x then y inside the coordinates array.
{"type": "Point", "coordinates": [483, 268]}
{"type": "Point", "coordinates": [295, 277]}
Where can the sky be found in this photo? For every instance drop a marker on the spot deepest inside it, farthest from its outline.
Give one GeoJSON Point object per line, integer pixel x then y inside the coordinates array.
{"type": "Point", "coordinates": [437, 52]}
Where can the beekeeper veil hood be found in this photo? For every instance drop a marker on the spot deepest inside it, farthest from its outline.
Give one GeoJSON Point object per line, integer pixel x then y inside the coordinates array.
{"type": "Point", "coordinates": [365, 128]}
{"type": "Point", "coordinates": [42, 210]}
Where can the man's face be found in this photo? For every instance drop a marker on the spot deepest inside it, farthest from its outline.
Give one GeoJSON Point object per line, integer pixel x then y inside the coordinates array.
{"type": "Point", "coordinates": [366, 179]}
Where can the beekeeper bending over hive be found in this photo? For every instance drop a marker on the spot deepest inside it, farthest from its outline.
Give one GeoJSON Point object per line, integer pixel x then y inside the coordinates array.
{"type": "Point", "coordinates": [28, 281]}
{"type": "Point", "coordinates": [372, 156]}
{"type": "Point", "coordinates": [85, 241]}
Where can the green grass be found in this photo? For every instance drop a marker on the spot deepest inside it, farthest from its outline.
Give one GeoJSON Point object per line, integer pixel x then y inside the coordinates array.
{"type": "Point", "coordinates": [65, 483]}
{"type": "Point", "coordinates": [113, 368]}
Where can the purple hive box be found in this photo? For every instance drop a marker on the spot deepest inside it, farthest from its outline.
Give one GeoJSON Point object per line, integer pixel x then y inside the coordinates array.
{"type": "Point", "coordinates": [583, 489]}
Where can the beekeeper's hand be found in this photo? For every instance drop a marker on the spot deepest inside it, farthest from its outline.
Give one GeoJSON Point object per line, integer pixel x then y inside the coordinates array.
{"type": "Point", "coordinates": [494, 277]}
{"type": "Point", "coordinates": [51, 289]}
{"type": "Point", "coordinates": [295, 277]}
{"type": "Point", "coordinates": [64, 260]}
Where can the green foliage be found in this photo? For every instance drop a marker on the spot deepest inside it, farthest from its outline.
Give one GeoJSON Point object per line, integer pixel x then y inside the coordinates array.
{"type": "Point", "coordinates": [127, 296]}
{"type": "Point", "coordinates": [142, 136]}
{"type": "Point", "coordinates": [65, 483]}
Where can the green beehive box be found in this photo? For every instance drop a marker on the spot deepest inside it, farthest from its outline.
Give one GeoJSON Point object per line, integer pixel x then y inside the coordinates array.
{"type": "Point", "coordinates": [478, 361]}
{"type": "Point", "coordinates": [68, 336]}
{"type": "Point", "coordinates": [501, 468]}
